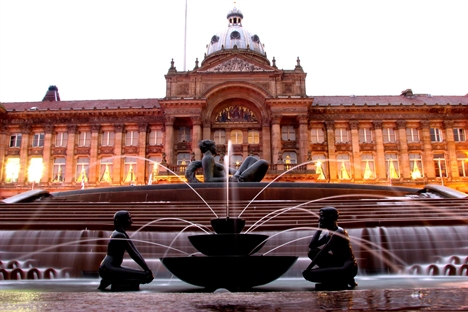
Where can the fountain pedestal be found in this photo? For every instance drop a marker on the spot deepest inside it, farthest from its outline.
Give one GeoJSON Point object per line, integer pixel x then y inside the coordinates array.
{"type": "Point", "coordinates": [228, 260]}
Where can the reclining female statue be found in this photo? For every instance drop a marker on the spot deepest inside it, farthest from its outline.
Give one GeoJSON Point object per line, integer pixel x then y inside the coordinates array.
{"type": "Point", "coordinates": [251, 169]}
{"type": "Point", "coordinates": [333, 264]}
{"type": "Point", "coordinates": [111, 270]}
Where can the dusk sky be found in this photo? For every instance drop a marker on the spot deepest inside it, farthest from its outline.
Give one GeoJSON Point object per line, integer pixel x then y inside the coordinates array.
{"type": "Point", "coordinates": [121, 49]}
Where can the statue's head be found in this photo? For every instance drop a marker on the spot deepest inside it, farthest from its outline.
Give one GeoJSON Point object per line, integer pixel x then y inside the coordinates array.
{"type": "Point", "coordinates": [328, 217]}
{"type": "Point", "coordinates": [122, 220]}
{"type": "Point", "coordinates": [207, 145]}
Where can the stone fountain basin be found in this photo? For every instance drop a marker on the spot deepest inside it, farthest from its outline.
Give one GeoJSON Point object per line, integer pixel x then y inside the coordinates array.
{"type": "Point", "coordinates": [233, 273]}
{"type": "Point", "coordinates": [228, 244]}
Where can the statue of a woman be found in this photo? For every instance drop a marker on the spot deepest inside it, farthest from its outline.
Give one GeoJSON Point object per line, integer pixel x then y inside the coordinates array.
{"type": "Point", "coordinates": [111, 270]}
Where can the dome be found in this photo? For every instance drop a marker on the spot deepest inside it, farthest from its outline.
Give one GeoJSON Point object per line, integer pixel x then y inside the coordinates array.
{"type": "Point", "coordinates": [235, 36]}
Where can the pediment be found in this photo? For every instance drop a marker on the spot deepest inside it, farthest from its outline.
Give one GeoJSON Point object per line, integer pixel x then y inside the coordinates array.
{"type": "Point", "coordinates": [235, 64]}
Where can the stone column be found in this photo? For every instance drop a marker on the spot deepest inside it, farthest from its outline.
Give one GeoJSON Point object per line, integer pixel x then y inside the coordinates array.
{"type": "Point", "coordinates": [332, 164]}
{"type": "Point", "coordinates": [206, 130]}
{"type": "Point", "coordinates": [405, 170]}
{"type": "Point", "coordinates": [93, 155]}
{"type": "Point", "coordinates": [46, 157]}
{"type": "Point", "coordinates": [196, 136]}
{"type": "Point", "coordinates": [266, 141]}
{"type": "Point", "coordinates": [70, 161]}
{"type": "Point", "coordinates": [276, 136]}
{"type": "Point", "coordinates": [357, 164]}
{"type": "Point", "coordinates": [303, 138]}
{"type": "Point", "coordinates": [26, 134]}
{"type": "Point", "coordinates": [169, 139]}
{"type": "Point", "coordinates": [117, 176]}
{"type": "Point", "coordinates": [141, 160]}
{"type": "Point", "coordinates": [379, 163]}
{"type": "Point", "coordinates": [428, 155]}
{"type": "Point", "coordinates": [451, 162]}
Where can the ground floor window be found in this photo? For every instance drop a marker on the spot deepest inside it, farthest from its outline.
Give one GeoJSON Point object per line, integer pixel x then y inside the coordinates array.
{"type": "Point", "coordinates": [367, 162]}
{"type": "Point", "coordinates": [12, 169]}
{"type": "Point", "coordinates": [416, 166]}
{"type": "Point", "coordinates": [392, 167]}
{"type": "Point", "coordinates": [462, 159]}
{"type": "Point", "coordinates": [82, 170]}
{"type": "Point", "coordinates": [58, 172]}
{"type": "Point", "coordinates": [35, 170]}
{"type": "Point", "coordinates": [440, 165]}
{"type": "Point", "coordinates": [320, 167]}
{"type": "Point", "coordinates": [183, 159]}
{"type": "Point", "coordinates": [345, 167]}
{"type": "Point", "coordinates": [106, 169]}
{"type": "Point", "coordinates": [153, 168]}
{"type": "Point", "coordinates": [130, 169]}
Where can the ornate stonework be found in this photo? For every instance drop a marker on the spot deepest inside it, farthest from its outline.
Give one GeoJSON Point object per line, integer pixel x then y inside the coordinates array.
{"type": "Point", "coordinates": [235, 64]}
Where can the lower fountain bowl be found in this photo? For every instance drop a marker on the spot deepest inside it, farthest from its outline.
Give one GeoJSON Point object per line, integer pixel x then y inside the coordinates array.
{"type": "Point", "coordinates": [228, 244]}
{"type": "Point", "coordinates": [227, 225]}
{"type": "Point", "coordinates": [233, 273]}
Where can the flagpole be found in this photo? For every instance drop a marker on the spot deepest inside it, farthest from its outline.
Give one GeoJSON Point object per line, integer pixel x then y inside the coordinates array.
{"type": "Point", "coordinates": [185, 38]}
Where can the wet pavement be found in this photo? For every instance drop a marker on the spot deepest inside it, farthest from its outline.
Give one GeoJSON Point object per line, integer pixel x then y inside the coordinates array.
{"type": "Point", "coordinates": [374, 293]}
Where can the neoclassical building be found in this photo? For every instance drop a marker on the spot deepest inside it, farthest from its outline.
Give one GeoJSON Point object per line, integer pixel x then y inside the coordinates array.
{"type": "Point", "coordinates": [234, 94]}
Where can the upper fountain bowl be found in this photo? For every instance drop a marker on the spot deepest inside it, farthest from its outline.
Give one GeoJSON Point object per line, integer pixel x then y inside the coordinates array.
{"type": "Point", "coordinates": [228, 225]}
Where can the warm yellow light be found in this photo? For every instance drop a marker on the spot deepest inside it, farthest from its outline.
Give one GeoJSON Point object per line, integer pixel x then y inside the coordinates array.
{"type": "Point", "coordinates": [12, 168]}
{"type": "Point", "coordinates": [35, 170]}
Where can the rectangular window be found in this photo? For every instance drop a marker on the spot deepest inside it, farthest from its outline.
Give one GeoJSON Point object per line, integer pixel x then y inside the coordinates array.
{"type": "Point", "coordinates": [367, 162]}
{"type": "Point", "coordinates": [15, 140]}
{"type": "Point", "coordinates": [131, 138]}
{"type": "Point", "coordinates": [183, 159]}
{"type": "Point", "coordinates": [462, 160]}
{"type": "Point", "coordinates": [389, 135]}
{"type": "Point", "coordinates": [412, 135]}
{"type": "Point", "coordinates": [459, 135]}
{"type": "Point", "coordinates": [84, 139]}
{"type": "Point", "coordinates": [365, 135]}
{"type": "Point", "coordinates": [235, 161]}
{"type": "Point", "coordinates": [317, 136]}
{"type": "Point", "coordinates": [341, 135]}
{"type": "Point", "coordinates": [153, 168]}
{"type": "Point", "coordinates": [344, 170]}
{"type": "Point", "coordinates": [436, 135]}
{"type": "Point", "coordinates": [416, 166]}
{"type": "Point", "coordinates": [237, 137]}
{"type": "Point", "coordinates": [155, 137]}
{"type": "Point", "coordinates": [107, 138]}
{"type": "Point", "coordinates": [82, 169]}
{"type": "Point", "coordinates": [61, 139]}
{"type": "Point", "coordinates": [12, 169]}
{"type": "Point", "coordinates": [184, 134]}
{"type": "Point", "coordinates": [35, 170]}
{"type": "Point", "coordinates": [220, 137]}
{"type": "Point", "coordinates": [38, 140]}
{"type": "Point", "coordinates": [320, 167]}
{"type": "Point", "coordinates": [58, 172]}
{"type": "Point", "coordinates": [288, 133]}
{"type": "Point", "coordinates": [253, 137]}
{"type": "Point", "coordinates": [130, 167]}
{"type": "Point", "coordinates": [106, 170]}
{"type": "Point", "coordinates": [440, 166]}
{"type": "Point", "coordinates": [392, 167]}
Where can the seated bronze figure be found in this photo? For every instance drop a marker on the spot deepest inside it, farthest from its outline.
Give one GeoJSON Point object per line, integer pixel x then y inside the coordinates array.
{"type": "Point", "coordinates": [333, 264]}
{"type": "Point", "coordinates": [251, 169]}
{"type": "Point", "coordinates": [111, 270]}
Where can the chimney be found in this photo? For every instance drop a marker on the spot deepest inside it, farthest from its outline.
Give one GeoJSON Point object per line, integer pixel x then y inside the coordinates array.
{"type": "Point", "coordinates": [52, 95]}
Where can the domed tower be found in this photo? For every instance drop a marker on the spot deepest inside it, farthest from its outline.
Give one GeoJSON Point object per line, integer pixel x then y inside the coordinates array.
{"type": "Point", "coordinates": [235, 37]}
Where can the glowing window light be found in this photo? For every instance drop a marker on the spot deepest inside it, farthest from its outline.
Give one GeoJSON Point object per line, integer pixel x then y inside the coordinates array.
{"type": "Point", "coordinates": [35, 170]}
{"type": "Point", "coordinates": [12, 170]}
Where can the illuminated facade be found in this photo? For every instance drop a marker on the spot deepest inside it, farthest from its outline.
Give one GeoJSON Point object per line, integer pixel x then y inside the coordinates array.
{"type": "Point", "coordinates": [235, 94]}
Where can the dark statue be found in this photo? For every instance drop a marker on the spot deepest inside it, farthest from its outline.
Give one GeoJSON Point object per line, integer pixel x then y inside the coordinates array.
{"type": "Point", "coordinates": [111, 271]}
{"type": "Point", "coordinates": [333, 264]}
{"type": "Point", "coordinates": [251, 169]}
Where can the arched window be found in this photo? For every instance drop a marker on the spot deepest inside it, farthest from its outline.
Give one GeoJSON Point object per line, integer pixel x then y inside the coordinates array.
{"type": "Point", "coordinates": [220, 137]}
{"type": "Point", "coordinates": [253, 137]}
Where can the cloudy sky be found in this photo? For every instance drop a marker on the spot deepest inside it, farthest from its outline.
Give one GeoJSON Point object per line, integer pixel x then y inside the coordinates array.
{"type": "Point", "coordinates": [121, 49]}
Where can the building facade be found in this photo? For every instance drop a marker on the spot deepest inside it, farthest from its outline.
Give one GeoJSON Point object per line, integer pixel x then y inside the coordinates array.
{"type": "Point", "coordinates": [236, 94]}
